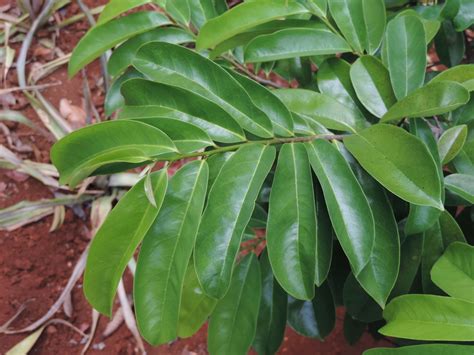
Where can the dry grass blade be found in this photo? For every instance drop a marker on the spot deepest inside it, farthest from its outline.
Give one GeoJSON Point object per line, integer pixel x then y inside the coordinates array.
{"type": "Point", "coordinates": [99, 211]}
{"type": "Point", "coordinates": [24, 346]}
{"type": "Point", "coordinates": [123, 179]}
{"type": "Point", "coordinates": [15, 116]}
{"type": "Point", "coordinates": [114, 324]}
{"type": "Point", "coordinates": [58, 218]}
{"type": "Point", "coordinates": [29, 87]}
{"type": "Point", "coordinates": [95, 321]}
{"type": "Point", "coordinates": [67, 306]}
{"type": "Point", "coordinates": [76, 274]}
{"type": "Point", "coordinates": [129, 316]}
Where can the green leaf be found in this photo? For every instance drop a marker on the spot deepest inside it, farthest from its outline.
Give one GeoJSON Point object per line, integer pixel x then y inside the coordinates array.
{"type": "Point", "coordinates": [165, 254]}
{"type": "Point", "coordinates": [433, 99]}
{"type": "Point", "coordinates": [361, 22]}
{"type": "Point", "coordinates": [371, 82]}
{"type": "Point", "coordinates": [80, 153]}
{"type": "Point", "coordinates": [464, 17]}
{"type": "Point", "coordinates": [463, 74]}
{"type": "Point", "coordinates": [272, 314]}
{"type": "Point", "coordinates": [324, 236]}
{"type": "Point", "coordinates": [400, 162]}
{"type": "Point", "coordinates": [405, 49]}
{"type": "Point", "coordinates": [243, 17]}
{"type": "Point", "coordinates": [315, 318]}
{"type": "Point", "coordinates": [190, 71]}
{"type": "Point", "coordinates": [322, 109]}
{"type": "Point", "coordinates": [410, 260]}
{"type": "Point", "coordinates": [233, 323]}
{"type": "Point", "coordinates": [420, 218]}
{"type": "Point", "coordinates": [195, 305]}
{"type": "Point", "coordinates": [425, 349]}
{"type": "Point", "coordinates": [347, 204]}
{"type": "Point", "coordinates": [270, 104]}
{"type": "Point", "coordinates": [149, 99]}
{"type": "Point", "coordinates": [428, 317]}
{"type": "Point", "coordinates": [229, 208]}
{"type": "Point", "coordinates": [117, 7]}
{"type": "Point", "coordinates": [179, 10]}
{"type": "Point", "coordinates": [294, 42]}
{"type": "Point", "coordinates": [202, 11]}
{"type": "Point", "coordinates": [461, 184]}
{"type": "Point", "coordinates": [379, 275]}
{"type": "Point", "coordinates": [291, 229]}
{"type": "Point", "coordinates": [317, 7]}
{"type": "Point", "coordinates": [116, 241]}
{"type": "Point", "coordinates": [454, 271]}
{"type": "Point", "coordinates": [451, 143]}
{"type": "Point", "coordinates": [334, 80]}
{"type": "Point", "coordinates": [431, 26]}
{"type": "Point", "coordinates": [113, 98]}
{"type": "Point", "coordinates": [123, 56]}
{"type": "Point", "coordinates": [353, 329]}
{"type": "Point", "coordinates": [103, 37]}
{"type": "Point", "coordinates": [359, 304]}
{"type": "Point", "coordinates": [449, 44]}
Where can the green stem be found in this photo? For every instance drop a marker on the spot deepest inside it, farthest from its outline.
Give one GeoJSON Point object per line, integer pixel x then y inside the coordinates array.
{"type": "Point", "coordinates": [272, 141]}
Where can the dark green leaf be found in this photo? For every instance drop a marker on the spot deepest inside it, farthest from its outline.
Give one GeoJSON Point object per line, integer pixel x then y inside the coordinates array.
{"type": "Point", "coordinates": [165, 254]}
{"type": "Point", "coordinates": [149, 99]}
{"type": "Point", "coordinates": [79, 154]}
{"type": "Point", "coordinates": [117, 239]}
{"type": "Point", "coordinates": [358, 303]}
{"type": "Point", "coordinates": [101, 38]}
{"type": "Point", "coordinates": [190, 71]}
{"type": "Point", "coordinates": [361, 22]}
{"type": "Point", "coordinates": [347, 204]}
{"type": "Point", "coordinates": [400, 162]}
{"type": "Point", "coordinates": [291, 230]}
{"type": "Point", "coordinates": [324, 235]}
{"type": "Point", "coordinates": [353, 329]}
{"type": "Point", "coordinates": [371, 82]}
{"type": "Point", "coordinates": [405, 49]}
{"type": "Point", "coordinates": [449, 44]}
{"type": "Point", "coordinates": [228, 211]}
{"type": "Point", "coordinates": [114, 99]}
{"type": "Point", "coordinates": [233, 323]}
{"type": "Point", "coordinates": [202, 11]}
{"type": "Point", "coordinates": [294, 42]}
{"type": "Point", "coordinates": [272, 314]}
{"type": "Point", "coordinates": [243, 17]}
{"type": "Point", "coordinates": [428, 317]}
{"type": "Point", "coordinates": [315, 318]}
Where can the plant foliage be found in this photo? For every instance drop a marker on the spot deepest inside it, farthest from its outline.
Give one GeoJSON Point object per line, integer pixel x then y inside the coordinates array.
{"type": "Point", "coordinates": [354, 175]}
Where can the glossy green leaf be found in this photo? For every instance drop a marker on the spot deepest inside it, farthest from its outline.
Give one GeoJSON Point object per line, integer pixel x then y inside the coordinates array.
{"type": "Point", "coordinates": [165, 254]}
{"type": "Point", "coordinates": [243, 17]}
{"type": "Point", "coordinates": [400, 162]}
{"type": "Point", "coordinates": [190, 71]}
{"type": "Point", "coordinates": [114, 99]}
{"type": "Point", "coordinates": [451, 143]}
{"type": "Point", "coordinates": [202, 11]}
{"type": "Point", "coordinates": [317, 7]}
{"type": "Point", "coordinates": [420, 218]}
{"type": "Point", "coordinates": [80, 153]}
{"type": "Point", "coordinates": [246, 36]}
{"type": "Point", "coordinates": [425, 349]}
{"type": "Point", "coordinates": [410, 260]}
{"type": "Point", "coordinates": [117, 7]}
{"type": "Point", "coordinates": [116, 240]}
{"type": "Point", "coordinates": [233, 323]}
{"type": "Point", "coordinates": [450, 45]}
{"type": "Point", "coordinates": [294, 42]}
{"type": "Point", "coordinates": [272, 313]}
{"type": "Point", "coordinates": [465, 16]}
{"type": "Point", "coordinates": [149, 99]}
{"type": "Point", "coordinates": [454, 271]}
{"type": "Point", "coordinates": [228, 211]}
{"type": "Point", "coordinates": [270, 104]}
{"type": "Point", "coordinates": [334, 80]}
{"type": "Point", "coordinates": [358, 303]}
{"type": "Point", "coordinates": [179, 10]}
{"type": "Point", "coordinates": [433, 99]}
{"type": "Point", "coordinates": [347, 204]}
{"type": "Point", "coordinates": [103, 37]}
{"type": "Point", "coordinates": [461, 184]}
{"type": "Point", "coordinates": [322, 109]}
{"type": "Point", "coordinates": [315, 318]}
{"type": "Point", "coordinates": [291, 230]}
{"type": "Point", "coordinates": [379, 275]}
{"type": "Point", "coordinates": [353, 329]}
{"type": "Point", "coordinates": [324, 236]}
{"type": "Point", "coordinates": [463, 74]}
{"type": "Point", "coordinates": [123, 56]}
{"type": "Point", "coordinates": [431, 26]}
{"type": "Point", "coordinates": [361, 22]}
{"type": "Point", "coordinates": [371, 82]}
{"type": "Point", "coordinates": [405, 49]}
{"type": "Point", "coordinates": [428, 317]}
{"type": "Point", "coordinates": [195, 305]}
